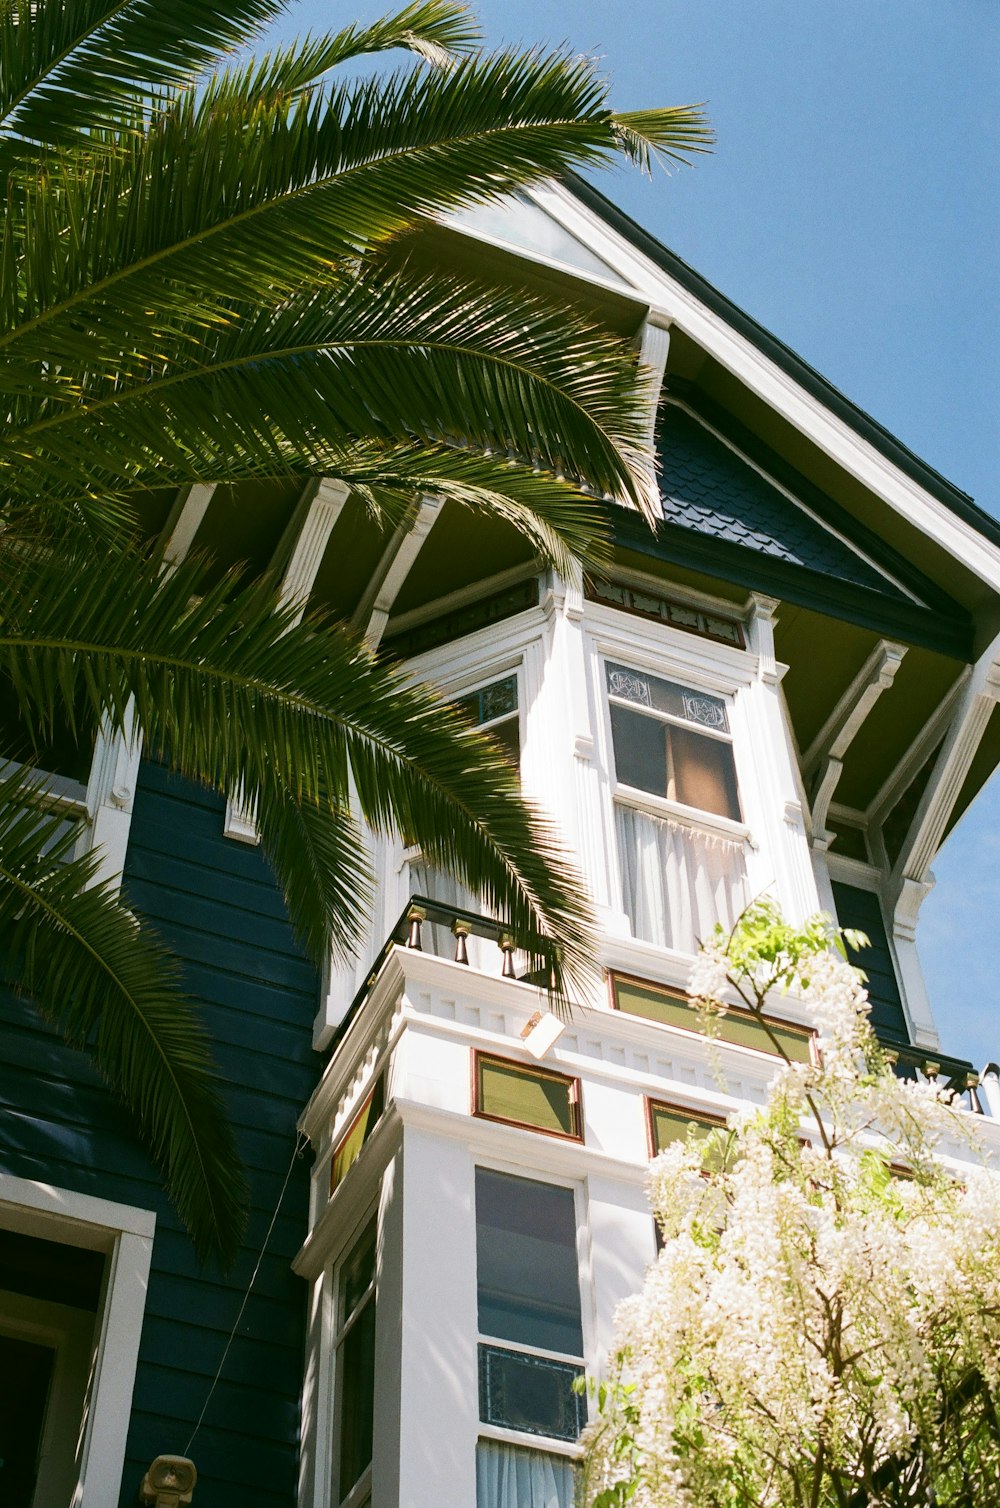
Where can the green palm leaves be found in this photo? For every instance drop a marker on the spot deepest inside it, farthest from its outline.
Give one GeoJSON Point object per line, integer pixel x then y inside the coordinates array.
{"type": "Point", "coordinates": [200, 279]}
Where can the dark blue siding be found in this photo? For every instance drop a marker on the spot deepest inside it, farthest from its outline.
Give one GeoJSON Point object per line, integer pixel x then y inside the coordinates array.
{"type": "Point", "coordinates": [215, 903]}
{"type": "Point", "coordinates": [861, 909]}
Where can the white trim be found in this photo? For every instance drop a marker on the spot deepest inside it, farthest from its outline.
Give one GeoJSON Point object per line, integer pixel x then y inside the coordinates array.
{"type": "Point", "coordinates": [125, 1234]}
{"type": "Point", "coordinates": [184, 521]}
{"type": "Point", "coordinates": [969, 722]}
{"type": "Point", "coordinates": [323, 502]}
{"type": "Point", "coordinates": [114, 775]}
{"type": "Point", "coordinates": [824, 759]}
{"type": "Point", "coordinates": [666, 651]}
{"type": "Point", "coordinates": [399, 556]}
{"type": "Point", "coordinates": [738, 354]}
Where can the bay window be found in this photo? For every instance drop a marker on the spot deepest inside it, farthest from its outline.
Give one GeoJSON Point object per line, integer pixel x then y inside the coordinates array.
{"type": "Point", "coordinates": [678, 819]}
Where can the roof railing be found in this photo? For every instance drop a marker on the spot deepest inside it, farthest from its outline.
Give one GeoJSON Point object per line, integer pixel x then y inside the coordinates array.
{"type": "Point", "coordinates": [960, 1078]}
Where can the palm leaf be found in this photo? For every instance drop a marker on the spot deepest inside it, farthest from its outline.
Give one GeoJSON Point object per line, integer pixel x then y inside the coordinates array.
{"type": "Point", "coordinates": [242, 696]}
{"type": "Point", "coordinates": [109, 986]}
{"type": "Point", "coordinates": [435, 30]}
{"type": "Point", "coordinates": [255, 199]}
{"type": "Point", "coordinates": [494, 370]}
{"type": "Point", "coordinates": [67, 65]}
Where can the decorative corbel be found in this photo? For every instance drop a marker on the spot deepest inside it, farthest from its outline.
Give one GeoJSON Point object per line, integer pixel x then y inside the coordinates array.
{"type": "Point", "coordinates": [823, 761]}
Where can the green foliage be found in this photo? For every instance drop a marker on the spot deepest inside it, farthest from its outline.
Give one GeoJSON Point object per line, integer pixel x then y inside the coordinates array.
{"type": "Point", "coordinates": [201, 280]}
{"type": "Point", "coordinates": [767, 953]}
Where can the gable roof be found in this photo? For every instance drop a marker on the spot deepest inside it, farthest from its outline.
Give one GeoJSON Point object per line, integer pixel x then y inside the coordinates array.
{"type": "Point", "coordinates": [708, 487]}
{"type": "Point", "coordinates": [806, 376]}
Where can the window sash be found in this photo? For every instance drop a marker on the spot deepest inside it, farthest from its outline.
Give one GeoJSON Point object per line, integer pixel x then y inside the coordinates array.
{"type": "Point", "coordinates": [525, 1096]}
{"type": "Point", "coordinates": [737, 1028]}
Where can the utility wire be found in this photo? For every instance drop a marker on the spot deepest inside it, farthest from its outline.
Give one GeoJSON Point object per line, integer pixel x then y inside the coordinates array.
{"type": "Point", "coordinates": [300, 1143]}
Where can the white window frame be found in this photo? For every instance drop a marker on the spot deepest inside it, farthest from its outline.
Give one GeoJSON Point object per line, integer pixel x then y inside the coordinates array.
{"type": "Point", "coordinates": [701, 665]}
{"type": "Point", "coordinates": [336, 1332]}
{"type": "Point", "coordinates": [587, 1361]}
{"type": "Point", "coordinates": [124, 1233]}
{"type": "Point", "coordinates": [631, 795]}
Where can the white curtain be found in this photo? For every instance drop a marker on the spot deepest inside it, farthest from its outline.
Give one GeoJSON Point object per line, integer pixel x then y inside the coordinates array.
{"type": "Point", "coordinates": [509, 1477]}
{"type": "Point", "coordinates": [677, 882]}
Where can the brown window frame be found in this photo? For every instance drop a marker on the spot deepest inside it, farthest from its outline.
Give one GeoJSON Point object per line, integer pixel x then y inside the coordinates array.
{"type": "Point", "coordinates": [710, 1119]}
{"type": "Point", "coordinates": [345, 1136]}
{"type": "Point", "coordinates": [739, 1012]}
{"type": "Point", "coordinates": [531, 1070]}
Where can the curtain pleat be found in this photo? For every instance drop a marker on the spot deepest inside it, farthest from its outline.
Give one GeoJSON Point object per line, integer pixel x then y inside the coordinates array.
{"type": "Point", "coordinates": [677, 882]}
{"type": "Point", "coordinates": [509, 1477]}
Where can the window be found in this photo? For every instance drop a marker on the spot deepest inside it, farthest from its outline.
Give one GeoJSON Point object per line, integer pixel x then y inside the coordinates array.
{"type": "Point", "coordinates": [530, 1327]}
{"type": "Point", "coordinates": [494, 707]}
{"type": "Point", "coordinates": [657, 1002]}
{"type": "Point", "coordinates": [74, 1271]}
{"type": "Point", "coordinates": [676, 808]}
{"type": "Point", "coordinates": [349, 1148]}
{"type": "Point", "coordinates": [523, 1096]}
{"type": "Point", "coordinates": [671, 1123]}
{"type": "Point", "coordinates": [354, 1407]}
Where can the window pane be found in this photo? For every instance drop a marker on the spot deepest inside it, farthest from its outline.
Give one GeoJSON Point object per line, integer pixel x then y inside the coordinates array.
{"type": "Point", "coordinates": [704, 774]}
{"type": "Point", "coordinates": [526, 1097]}
{"type": "Point", "coordinates": [509, 1477]}
{"type": "Point", "coordinates": [508, 736]}
{"type": "Point", "coordinates": [357, 1273]}
{"type": "Point", "coordinates": [738, 1027]}
{"type": "Point", "coordinates": [498, 699]}
{"type": "Point", "coordinates": [349, 1149]}
{"type": "Point", "coordinates": [670, 1123]}
{"type": "Point", "coordinates": [640, 750]}
{"type": "Point", "coordinates": [529, 1289]}
{"type": "Point", "coordinates": [666, 696]}
{"type": "Point", "coordinates": [530, 1393]}
{"type": "Point", "coordinates": [356, 1389]}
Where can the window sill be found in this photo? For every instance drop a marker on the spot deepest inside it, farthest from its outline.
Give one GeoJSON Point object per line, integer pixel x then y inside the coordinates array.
{"type": "Point", "coordinates": [706, 823]}
{"type": "Point", "coordinates": [572, 1451]}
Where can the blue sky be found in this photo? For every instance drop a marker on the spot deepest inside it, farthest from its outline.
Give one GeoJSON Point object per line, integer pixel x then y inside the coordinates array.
{"type": "Point", "coordinates": [851, 205]}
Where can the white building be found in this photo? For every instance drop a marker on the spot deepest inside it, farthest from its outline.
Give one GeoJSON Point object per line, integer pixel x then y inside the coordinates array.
{"type": "Point", "coordinates": [791, 687]}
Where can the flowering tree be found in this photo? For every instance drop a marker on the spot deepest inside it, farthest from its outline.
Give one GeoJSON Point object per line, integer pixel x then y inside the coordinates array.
{"type": "Point", "coordinates": [821, 1328]}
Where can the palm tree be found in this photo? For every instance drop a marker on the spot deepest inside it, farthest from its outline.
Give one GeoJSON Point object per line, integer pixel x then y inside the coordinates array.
{"type": "Point", "coordinates": [200, 283]}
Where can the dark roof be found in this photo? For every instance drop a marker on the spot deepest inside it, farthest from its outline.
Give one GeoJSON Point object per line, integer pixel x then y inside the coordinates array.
{"type": "Point", "coordinates": [707, 487]}
{"type": "Point", "coordinates": [960, 503]}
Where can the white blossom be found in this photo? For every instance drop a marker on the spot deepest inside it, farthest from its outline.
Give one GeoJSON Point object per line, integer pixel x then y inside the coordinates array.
{"type": "Point", "coordinates": [817, 1325]}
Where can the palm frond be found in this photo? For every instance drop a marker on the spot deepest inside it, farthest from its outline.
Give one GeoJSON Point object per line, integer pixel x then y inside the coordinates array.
{"type": "Point", "coordinates": [67, 66]}
{"type": "Point", "coordinates": [435, 30]}
{"type": "Point", "coordinates": [673, 134]}
{"type": "Point", "coordinates": [318, 852]}
{"type": "Point", "coordinates": [401, 358]}
{"type": "Point", "coordinates": [109, 986]}
{"type": "Point", "coordinates": [255, 200]}
{"type": "Point", "coordinates": [243, 697]}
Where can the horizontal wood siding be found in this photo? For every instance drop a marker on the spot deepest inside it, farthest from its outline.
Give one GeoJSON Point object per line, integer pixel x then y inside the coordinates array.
{"type": "Point", "coordinates": [861, 909]}
{"type": "Point", "coordinates": [215, 903]}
